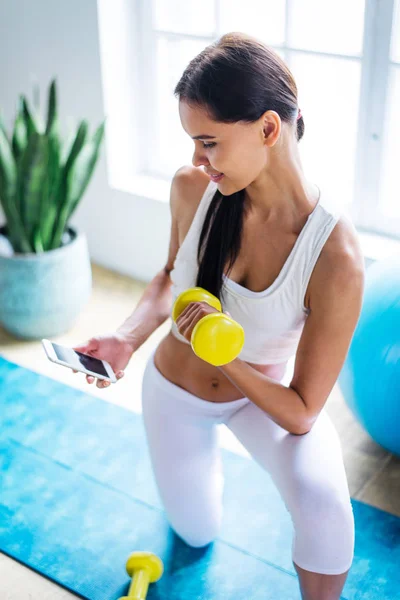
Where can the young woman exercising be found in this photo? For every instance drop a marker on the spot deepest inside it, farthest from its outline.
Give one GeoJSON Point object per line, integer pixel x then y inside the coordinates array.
{"type": "Point", "coordinates": [288, 267]}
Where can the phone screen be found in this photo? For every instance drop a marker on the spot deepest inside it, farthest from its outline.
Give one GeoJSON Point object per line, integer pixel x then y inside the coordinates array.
{"type": "Point", "coordinates": [74, 358]}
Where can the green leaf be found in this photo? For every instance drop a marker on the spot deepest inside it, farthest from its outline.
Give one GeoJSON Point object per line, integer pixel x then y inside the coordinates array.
{"type": "Point", "coordinates": [84, 167]}
{"type": "Point", "coordinates": [20, 138]}
{"type": "Point", "coordinates": [50, 201]}
{"type": "Point", "coordinates": [37, 241]}
{"type": "Point", "coordinates": [52, 107]}
{"type": "Point", "coordinates": [78, 179]}
{"type": "Point", "coordinates": [8, 186]}
{"type": "Point", "coordinates": [8, 169]}
{"type": "Point", "coordinates": [32, 126]}
{"type": "Point", "coordinates": [32, 175]}
{"type": "Point", "coordinates": [62, 192]}
{"type": "Point", "coordinates": [3, 127]}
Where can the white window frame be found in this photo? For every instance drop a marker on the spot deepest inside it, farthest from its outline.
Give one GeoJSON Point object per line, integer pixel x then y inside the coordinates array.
{"type": "Point", "coordinates": [373, 105]}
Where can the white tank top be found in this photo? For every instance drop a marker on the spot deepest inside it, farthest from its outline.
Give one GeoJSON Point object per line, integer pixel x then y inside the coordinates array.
{"type": "Point", "coordinates": [272, 319]}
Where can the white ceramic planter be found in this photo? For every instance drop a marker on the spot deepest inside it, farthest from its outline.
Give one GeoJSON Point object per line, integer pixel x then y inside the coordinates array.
{"type": "Point", "coordinates": [41, 295]}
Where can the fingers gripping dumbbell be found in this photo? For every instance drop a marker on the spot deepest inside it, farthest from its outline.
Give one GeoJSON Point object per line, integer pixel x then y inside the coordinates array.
{"type": "Point", "coordinates": [216, 338]}
{"type": "Point", "coordinates": [144, 568]}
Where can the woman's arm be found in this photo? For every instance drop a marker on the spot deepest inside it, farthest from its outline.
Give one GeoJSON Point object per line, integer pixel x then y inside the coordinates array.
{"type": "Point", "coordinates": [283, 404]}
{"type": "Point", "coordinates": [335, 306]}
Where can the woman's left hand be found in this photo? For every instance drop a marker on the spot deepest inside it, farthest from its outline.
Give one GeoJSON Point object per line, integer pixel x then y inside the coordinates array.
{"type": "Point", "coordinates": [191, 315]}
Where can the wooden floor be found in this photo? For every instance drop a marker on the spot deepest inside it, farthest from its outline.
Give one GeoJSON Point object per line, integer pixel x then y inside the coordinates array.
{"type": "Point", "coordinates": [373, 474]}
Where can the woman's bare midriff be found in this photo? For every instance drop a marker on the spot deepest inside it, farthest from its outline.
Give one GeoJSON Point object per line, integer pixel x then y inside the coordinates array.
{"type": "Point", "coordinates": [177, 362]}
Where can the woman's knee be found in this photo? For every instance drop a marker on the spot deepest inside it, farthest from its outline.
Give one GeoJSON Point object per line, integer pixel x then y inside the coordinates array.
{"type": "Point", "coordinates": [195, 513]}
{"type": "Point", "coordinates": [318, 501]}
{"type": "Point", "coordinates": [197, 535]}
{"type": "Point", "coordinates": [197, 540]}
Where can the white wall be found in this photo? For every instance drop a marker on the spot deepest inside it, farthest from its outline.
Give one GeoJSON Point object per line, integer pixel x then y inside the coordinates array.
{"type": "Point", "coordinates": [42, 39]}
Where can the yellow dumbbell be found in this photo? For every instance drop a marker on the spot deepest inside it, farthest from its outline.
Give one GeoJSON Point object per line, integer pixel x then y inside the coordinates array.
{"type": "Point", "coordinates": [145, 567]}
{"type": "Point", "coordinates": [216, 338]}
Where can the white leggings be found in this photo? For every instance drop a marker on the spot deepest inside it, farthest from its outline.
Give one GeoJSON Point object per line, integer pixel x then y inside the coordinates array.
{"type": "Point", "coordinates": [308, 470]}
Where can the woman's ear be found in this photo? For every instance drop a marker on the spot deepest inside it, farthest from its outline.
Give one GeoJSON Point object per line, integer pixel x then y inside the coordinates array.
{"type": "Point", "coordinates": [271, 128]}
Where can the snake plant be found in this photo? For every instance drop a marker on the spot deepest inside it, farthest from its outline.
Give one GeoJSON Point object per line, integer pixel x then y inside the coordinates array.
{"type": "Point", "coordinates": [43, 179]}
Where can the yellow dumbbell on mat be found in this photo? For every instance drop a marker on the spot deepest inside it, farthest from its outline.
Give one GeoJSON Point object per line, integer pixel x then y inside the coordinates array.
{"type": "Point", "coordinates": [216, 338]}
{"type": "Point", "coordinates": [145, 567]}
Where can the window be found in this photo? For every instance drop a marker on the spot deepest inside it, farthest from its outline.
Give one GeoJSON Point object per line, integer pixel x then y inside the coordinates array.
{"type": "Point", "coordinates": [389, 191]}
{"type": "Point", "coordinates": [345, 57]}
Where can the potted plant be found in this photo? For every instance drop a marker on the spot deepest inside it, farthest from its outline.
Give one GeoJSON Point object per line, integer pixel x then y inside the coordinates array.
{"type": "Point", "coordinates": [45, 277]}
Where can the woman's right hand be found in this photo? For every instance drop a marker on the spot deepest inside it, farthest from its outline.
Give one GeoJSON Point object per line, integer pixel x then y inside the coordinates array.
{"type": "Point", "coordinates": [114, 348]}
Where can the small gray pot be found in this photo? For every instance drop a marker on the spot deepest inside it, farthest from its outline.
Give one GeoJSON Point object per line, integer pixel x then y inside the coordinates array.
{"type": "Point", "coordinates": [41, 295]}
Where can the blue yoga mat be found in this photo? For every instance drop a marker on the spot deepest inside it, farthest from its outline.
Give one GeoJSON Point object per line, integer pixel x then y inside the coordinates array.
{"type": "Point", "coordinates": [77, 496]}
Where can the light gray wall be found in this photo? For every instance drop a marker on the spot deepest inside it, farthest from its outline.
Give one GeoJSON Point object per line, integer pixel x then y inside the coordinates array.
{"type": "Point", "coordinates": [42, 39]}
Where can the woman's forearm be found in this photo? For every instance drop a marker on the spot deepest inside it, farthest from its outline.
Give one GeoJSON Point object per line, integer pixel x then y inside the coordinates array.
{"type": "Point", "coordinates": [153, 308]}
{"type": "Point", "coordinates": [281, 403]}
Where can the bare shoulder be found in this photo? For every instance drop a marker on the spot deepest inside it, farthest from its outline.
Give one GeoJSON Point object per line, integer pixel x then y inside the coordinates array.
{"type": "Point", "coordinates": [343, 248]}
{"type": "Point", "coordinates": [190, 183]}
{"type": "Point", "coordinates": [341, 261]}
{"type": "Point", "coordinates": [188, 188]}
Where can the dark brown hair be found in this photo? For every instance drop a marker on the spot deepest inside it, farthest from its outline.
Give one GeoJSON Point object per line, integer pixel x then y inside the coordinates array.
{"type": "Point", "coordinates": [236, 78]}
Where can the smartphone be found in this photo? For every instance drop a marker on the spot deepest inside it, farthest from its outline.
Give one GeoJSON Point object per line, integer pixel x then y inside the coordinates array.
{"type": "Point", "coordinates": [67, 357]}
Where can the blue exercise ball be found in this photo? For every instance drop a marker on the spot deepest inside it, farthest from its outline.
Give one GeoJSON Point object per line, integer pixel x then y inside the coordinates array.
{"type": "Point", "coordinates": [370, 377]}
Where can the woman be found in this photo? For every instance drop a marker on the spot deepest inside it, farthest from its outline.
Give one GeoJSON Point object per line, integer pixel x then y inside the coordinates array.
{"type": "Point", "coordinates": [289, 269]}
